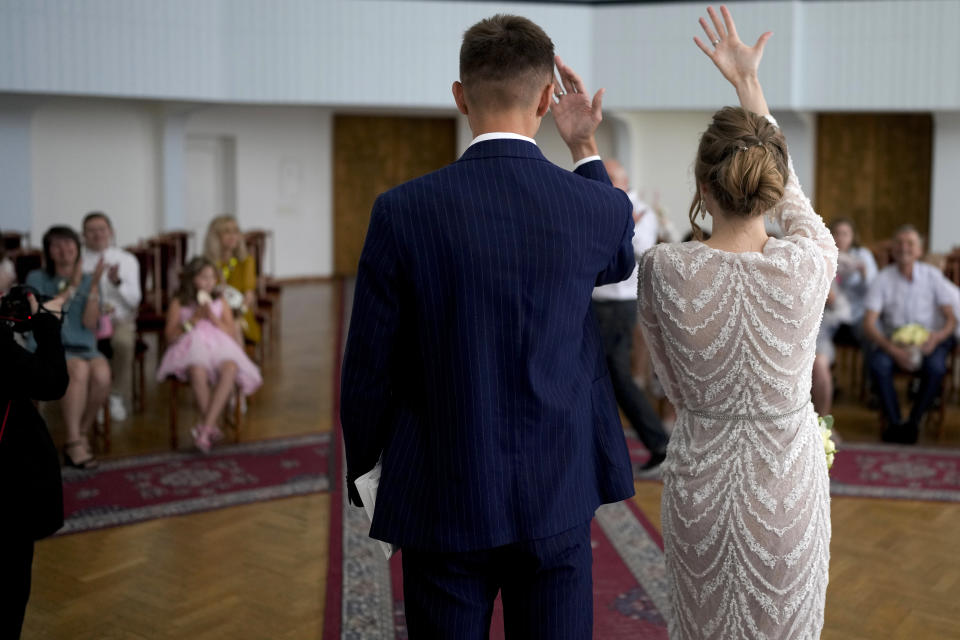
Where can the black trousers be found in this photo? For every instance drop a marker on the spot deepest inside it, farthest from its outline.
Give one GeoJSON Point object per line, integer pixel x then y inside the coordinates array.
{"type": "Point", "coordinates": [16, 564]}
{"type": "Point", "coordinates": [617, 320]}
{"type": "Point", "coordinates": [546, 586]}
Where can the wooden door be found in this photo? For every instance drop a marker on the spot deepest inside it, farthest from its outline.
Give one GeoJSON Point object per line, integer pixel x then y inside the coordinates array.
{"type": "Point", "coordinates": [875, 168]}
{"type": "Point", "coordinates": [372, 154]}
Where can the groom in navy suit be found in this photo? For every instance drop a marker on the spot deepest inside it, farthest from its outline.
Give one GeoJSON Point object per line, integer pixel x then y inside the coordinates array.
{"type": "Point", "coordinates": [474, 369]}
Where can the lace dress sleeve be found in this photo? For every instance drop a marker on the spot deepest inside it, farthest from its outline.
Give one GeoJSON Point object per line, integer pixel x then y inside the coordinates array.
{"type": "Point", "coordinates": [648, 300]}
{"type": "Point", "coordinates": [802, 226]}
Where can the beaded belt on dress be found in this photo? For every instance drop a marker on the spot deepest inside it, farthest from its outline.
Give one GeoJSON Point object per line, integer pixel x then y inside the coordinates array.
{"type": "Point", "coordinates": [756, 416]}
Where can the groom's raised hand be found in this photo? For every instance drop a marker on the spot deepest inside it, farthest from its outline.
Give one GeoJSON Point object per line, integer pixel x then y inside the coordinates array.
{"type": "Point", "coordinates": [576, 115]}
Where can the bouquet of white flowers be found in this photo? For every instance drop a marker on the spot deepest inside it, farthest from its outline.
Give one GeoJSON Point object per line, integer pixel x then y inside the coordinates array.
{"type": "Point", "coordinates": [912, 337]}
{"type": "Point", "coordinates": [826, 430]}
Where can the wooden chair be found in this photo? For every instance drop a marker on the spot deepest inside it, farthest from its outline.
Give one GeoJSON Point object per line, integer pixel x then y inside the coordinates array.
{"type": "Point", "coordinates": [150, 317]}
{"type": "Point", "coordinates": [181, 243]}
{"type": "Point", "coordinates": [883, 253]}
{"type": "Point", "coordinates": [233, 419]}
{"type": "Point", "coordinates": [951, 268]}
{"type": "Point", "coordinates": [936, 415]}
{"type": "Point", "coordinates": [169, 264]}
{"type": "Point", "coordinates": [13, 240]}
{"type": "Point", "coordinates": [100, 438]}
{"type": "Point", "coordinates": [849, 366]}
{"type": "Point", "coordinates": [268, 290]}
{"type": "Point", "coordinates": [25, 261]}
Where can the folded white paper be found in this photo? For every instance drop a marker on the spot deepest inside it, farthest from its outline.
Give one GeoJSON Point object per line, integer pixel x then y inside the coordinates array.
{"type": "Point", "coordinates": [367, 485]}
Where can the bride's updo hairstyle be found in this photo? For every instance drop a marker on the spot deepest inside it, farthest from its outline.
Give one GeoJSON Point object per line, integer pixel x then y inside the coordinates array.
{"type": "Point", "coordinates": [742, 160]}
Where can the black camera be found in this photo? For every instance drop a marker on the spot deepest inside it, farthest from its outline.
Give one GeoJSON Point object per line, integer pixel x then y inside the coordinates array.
{"type": "Point", "coordinates": [15, 309]}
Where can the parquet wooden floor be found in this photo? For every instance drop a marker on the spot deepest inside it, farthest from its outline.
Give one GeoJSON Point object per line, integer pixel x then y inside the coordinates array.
{"type": "Point", "coordinates": [258, 571]}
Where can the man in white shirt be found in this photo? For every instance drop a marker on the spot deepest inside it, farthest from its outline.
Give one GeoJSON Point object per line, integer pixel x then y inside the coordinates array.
{"type": "Point", "coordinates": [615, 307]}
{"type": "Point", "coordinates": [120, 299]}
{"type": "Point", "coordinates": [908, 292]}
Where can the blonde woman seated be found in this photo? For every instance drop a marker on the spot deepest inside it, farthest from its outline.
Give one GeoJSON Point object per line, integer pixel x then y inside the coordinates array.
{"type": "Point", "coordinates": [225, 248]}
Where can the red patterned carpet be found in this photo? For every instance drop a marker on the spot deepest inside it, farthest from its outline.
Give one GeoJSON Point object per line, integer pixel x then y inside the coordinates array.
{"type": "Point", "coordinates": [365, 592]}
{"type": "Point", "coordinates": [874, 471]}
{"type": "Point", "coordinates": [137, 488]}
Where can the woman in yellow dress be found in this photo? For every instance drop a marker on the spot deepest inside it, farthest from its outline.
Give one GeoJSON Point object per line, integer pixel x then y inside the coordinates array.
{"type": "Point", "coordinates": [224, 246]}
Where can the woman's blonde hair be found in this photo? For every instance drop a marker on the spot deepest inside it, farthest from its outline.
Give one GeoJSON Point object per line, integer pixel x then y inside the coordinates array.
{"type": "Point", "coordinates": [212, 249]}
{"type": "Point", "coordinates": [742, 161]}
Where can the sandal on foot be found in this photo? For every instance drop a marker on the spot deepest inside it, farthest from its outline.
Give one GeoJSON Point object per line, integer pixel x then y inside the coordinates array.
{"type": "Point", "coordinates": [201, 438]}
{"type": "Point", "coordinates": [214, 434]}
{"type": "Point", "coordinates": [89, 462]}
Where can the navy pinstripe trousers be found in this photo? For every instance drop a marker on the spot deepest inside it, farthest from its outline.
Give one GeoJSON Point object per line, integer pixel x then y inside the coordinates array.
{"type": "Point", "coordinates": [546, 587]}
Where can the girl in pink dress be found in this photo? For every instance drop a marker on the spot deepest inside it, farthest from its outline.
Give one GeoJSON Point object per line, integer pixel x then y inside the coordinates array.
{"type": "Point", "coordinates": [202, 350]}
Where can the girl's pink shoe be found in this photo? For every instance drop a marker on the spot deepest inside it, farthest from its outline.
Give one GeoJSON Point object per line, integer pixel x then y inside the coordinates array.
{"type": "Point", "coordinates": [201, 438]}
{"type": "Point", "coordinates": [214, 434]}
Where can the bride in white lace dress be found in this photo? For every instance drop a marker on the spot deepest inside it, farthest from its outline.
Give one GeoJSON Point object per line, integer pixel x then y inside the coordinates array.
{"type": "Point", "coordinates": [732, 324]}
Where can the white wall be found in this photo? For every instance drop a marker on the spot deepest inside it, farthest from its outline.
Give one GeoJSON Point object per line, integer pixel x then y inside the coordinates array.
{"type": "Point", "coordinates": [335, 52]}
{"type": "Point", "coordinates": [283, 178]}
{"type": "Point", "coordinates": [825, 54]}
{"type": "Point", "coordinates": [866, 56]}
{"type": "Point", "coordinates": [646, 58]}
{"type": "Point", "coordinates": [800, 130]}
{"type": "Point", "coordinates": [664, 147]}
{"type": "Point", "coordinates": [944, 207]}
{"type": "Point", "coordinates": [16, 203]}
{"type": "Point", "coordinates": [95, 155]}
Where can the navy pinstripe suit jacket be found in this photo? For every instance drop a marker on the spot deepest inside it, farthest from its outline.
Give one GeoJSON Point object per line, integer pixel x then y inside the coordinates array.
{"type": "Point", "coordinates": [473, 363]}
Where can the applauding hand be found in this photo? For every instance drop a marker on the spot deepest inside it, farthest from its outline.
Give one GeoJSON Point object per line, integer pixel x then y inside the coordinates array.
{"type": "Point", "coordinates": [736, 61]}
{"type": "Point", "coordinates": [576, 115]}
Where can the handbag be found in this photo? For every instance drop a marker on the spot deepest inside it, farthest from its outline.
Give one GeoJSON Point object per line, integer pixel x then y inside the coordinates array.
{"type": "Point", "coordinates": [105, 327]}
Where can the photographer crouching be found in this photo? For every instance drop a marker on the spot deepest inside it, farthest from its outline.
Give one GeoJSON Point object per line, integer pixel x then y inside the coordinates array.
{"type": "Point", "coordinates": [31, 493]}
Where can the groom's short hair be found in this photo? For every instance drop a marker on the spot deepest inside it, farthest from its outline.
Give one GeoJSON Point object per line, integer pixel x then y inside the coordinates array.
{"type": "Point", "coordinates": [505, 61]}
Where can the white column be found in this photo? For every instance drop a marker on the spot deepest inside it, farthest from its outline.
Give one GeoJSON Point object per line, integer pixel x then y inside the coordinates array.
{"type": "Point", "coordinates": [173, 135]}
{"type": "Point", "coordinates": [944, 207]}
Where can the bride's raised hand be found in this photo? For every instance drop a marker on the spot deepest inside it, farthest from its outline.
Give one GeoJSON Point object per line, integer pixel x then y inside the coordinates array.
{"type": "Point", "coordinates": [736, 61]}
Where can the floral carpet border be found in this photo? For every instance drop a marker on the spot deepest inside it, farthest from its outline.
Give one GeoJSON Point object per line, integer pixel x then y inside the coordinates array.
{"type": "Point", "coordinates": [308, 483]}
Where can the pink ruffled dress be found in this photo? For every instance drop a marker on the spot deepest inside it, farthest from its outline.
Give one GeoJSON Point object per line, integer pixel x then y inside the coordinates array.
{"type": "Point", "coordinates": [209, 347]}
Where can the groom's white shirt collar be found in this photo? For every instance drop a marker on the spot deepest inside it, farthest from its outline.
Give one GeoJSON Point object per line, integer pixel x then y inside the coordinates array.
{"type": "Point", "coordinates": [500, 135]}
{"type": "Point", "coordinates": [505, 135]}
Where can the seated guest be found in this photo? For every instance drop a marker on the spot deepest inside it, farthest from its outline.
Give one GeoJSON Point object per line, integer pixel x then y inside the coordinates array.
{"type": "Point", "coordinates": [224, 246]}
{"type": "Point", "coordinates": [856, 269]}
{"type": "Point", "coordinates": [908, 292]}
{"type": "Point", "coordinates": [836, 313]}
{"type": "Point", "coordinates": [79, 294]}
{"type": "Point", "coordinates": [120, 299]}
{"type": "Point", "coordinates": [203, 349]}
{"type": "Point", "coordinates": [8, 273]}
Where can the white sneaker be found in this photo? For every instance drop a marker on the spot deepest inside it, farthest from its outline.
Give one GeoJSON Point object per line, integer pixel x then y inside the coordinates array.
{"type": "Point", "coordinates": [117, 410]}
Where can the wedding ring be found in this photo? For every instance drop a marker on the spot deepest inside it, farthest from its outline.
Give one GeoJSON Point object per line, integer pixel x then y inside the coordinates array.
{"type": "Point", "coordinates": [716, 42]}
